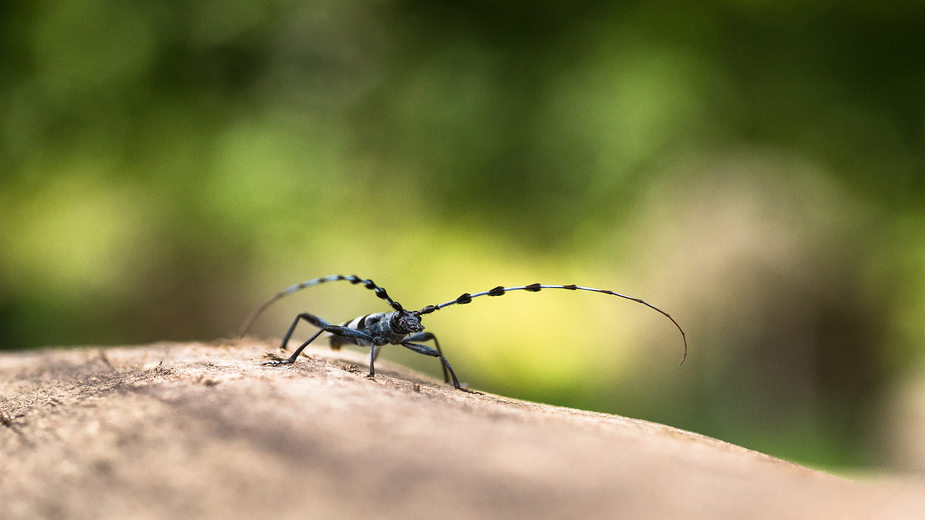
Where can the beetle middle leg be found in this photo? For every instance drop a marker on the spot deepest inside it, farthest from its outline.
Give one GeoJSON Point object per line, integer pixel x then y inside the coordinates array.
{"type": "Point", "coordinates": [353, 335]}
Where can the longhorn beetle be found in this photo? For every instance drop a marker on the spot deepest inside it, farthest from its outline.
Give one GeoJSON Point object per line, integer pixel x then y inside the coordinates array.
{"type": "Point", "coordinates": [400, 327]}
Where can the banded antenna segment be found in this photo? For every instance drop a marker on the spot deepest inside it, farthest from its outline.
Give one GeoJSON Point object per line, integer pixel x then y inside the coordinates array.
{"type": "Point", "coordinates": [536, 287]}
{"type": "Point", "coordinates": [369, 284]}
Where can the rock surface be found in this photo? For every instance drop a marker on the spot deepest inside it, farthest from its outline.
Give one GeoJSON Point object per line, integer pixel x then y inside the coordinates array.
{"type": "Point", "coordinates": [205, 431]}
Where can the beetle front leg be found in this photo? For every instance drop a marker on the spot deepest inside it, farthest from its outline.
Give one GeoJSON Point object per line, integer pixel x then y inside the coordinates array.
{"type": "Point", "coordinates": [427, 351]}
{"type": "Point", "coordinates": [426, 336]}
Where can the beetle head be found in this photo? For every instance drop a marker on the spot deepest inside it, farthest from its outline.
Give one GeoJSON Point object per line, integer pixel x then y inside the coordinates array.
{"type": "Point", "coordinates": [406, 322]}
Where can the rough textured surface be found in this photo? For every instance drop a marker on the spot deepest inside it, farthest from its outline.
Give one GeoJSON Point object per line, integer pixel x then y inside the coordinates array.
{"type": "Point", "coordinates": [204, 431]}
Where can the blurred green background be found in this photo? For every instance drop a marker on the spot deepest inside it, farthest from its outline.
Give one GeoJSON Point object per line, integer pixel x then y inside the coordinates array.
{"type": "Point", "coordinates": [754, 168]}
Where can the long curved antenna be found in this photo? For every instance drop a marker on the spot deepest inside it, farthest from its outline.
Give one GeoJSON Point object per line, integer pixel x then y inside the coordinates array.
{"type": "Point", "coordinates": [498, 291]}
{"type": "Point", "coordinates": [369, 284]}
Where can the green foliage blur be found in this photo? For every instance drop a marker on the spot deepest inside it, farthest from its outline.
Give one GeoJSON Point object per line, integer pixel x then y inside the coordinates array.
{"type": "Point", "coordinates": [754, 168]}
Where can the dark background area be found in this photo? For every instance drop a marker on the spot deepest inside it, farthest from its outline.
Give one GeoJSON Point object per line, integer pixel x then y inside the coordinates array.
{"type": "Point", "coordinates": [753, 168]}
